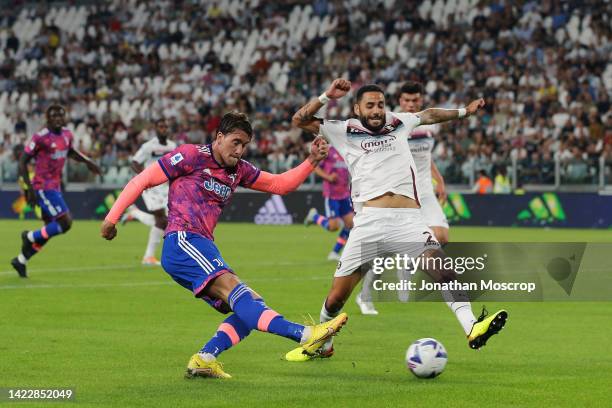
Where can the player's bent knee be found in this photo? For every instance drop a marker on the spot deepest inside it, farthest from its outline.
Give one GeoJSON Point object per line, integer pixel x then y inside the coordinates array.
{"type": "Point", "coordinates": [66, 223]}
{"type": "Point", "coordinates": [334, 224]}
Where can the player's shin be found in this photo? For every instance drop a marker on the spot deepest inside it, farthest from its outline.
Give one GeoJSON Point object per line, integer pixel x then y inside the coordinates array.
{"type": "Point", "coordinates": [341, 240]}
{"type": "Point", "coordinates": [155, 236]}
{"type": "Point", "coordinates": [257, 316]}
{"type": "Point", "coordinates": [459, 303]}
{"type": "Point", "coordinates": [42, 235]}
{"type": "Point", "coordinates": [229, 333]}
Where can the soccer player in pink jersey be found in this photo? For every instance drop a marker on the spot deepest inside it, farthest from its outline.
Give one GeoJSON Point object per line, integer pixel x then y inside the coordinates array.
{"type": "Point", "coordinates": [49, 148]}
{"type": "Point", "coordinates": [202, 180]}
{"type": "Point", "coordinates": [338, 204]}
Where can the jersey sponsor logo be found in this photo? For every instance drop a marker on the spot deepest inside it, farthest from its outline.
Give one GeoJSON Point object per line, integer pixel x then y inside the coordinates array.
{"type": "Point", "coordinates": [176, 159]}
{"type": "Point", "coordinates": [273, 212]}
{"type": "Point", "coordinates": [378, 144]}
{"type": "Point", "coordinates": [60, 154]}
{"type": "Point", "coordinates": [219, 189]}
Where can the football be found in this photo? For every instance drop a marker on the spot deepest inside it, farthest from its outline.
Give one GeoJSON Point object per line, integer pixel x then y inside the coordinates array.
{"type": "Point", "coordinates": [426, 358]}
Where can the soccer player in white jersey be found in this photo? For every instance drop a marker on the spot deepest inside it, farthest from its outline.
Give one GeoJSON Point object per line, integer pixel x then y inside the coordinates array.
{"type": "Point", "coordinates": [421, 142]}
{"type": "Point", "coordinates": [375, 147]}
{"type": "Point", "coordinates": [155, 198]}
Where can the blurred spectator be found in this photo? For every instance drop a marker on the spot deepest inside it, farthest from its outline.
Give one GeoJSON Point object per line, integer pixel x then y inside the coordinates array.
{"type": "Point", "coordinates": [502, 182]}
{"type": "Point", "coordinates": [483, 184]}
{"type": "Point", "coordinates": [542, 67]}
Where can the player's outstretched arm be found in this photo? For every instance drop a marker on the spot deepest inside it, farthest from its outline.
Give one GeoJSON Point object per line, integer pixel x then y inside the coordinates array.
{"type": "Point", "coordinates": [80, 157]}
{"type": "Point", "coordinates": [291, 179]}
{"type": "Point", "coordinates": [304, 117]}
{"type": "Point", "coordinates": [437, 115]}
{"type": "Point", "coordinates": [150, 177]}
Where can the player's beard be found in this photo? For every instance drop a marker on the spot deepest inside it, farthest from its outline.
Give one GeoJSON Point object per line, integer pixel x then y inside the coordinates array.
{"type": "Point", "coordinates": [364, 122]}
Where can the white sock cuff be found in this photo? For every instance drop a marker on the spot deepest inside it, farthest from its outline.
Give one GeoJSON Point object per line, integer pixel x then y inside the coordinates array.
{"type": "Point", "coordinates": [326, 315]}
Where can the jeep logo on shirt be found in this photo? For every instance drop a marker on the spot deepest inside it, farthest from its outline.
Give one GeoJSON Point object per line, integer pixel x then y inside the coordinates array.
{"type": "Point", "coordinates": [59, 154]}
{"type": "Point", "coordinates": [219, 189]}
{"type": "Point", "coordinates": [378, 144]}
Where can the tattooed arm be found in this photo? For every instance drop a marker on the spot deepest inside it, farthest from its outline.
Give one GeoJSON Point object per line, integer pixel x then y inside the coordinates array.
{"type": "Point", "coordinates": [437, 115]}
{"type": "Point", "coordinates": [304, 117]}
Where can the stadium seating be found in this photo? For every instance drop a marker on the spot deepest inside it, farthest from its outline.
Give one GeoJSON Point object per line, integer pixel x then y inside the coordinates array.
{"type": "Point", "coordinates": [540, 66]}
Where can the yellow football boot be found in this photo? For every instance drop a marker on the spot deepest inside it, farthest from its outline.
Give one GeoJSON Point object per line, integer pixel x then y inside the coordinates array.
{"type": "Point", "coordinates": [485, 327]}
{"type": "Point", "coordinates": [198, 367]}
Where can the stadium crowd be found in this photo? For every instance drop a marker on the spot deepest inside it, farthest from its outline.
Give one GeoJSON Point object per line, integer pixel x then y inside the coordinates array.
{"type": "Point", "coordinates": [542, 66]}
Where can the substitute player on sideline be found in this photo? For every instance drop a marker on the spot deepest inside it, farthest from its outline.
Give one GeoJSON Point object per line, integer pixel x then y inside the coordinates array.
{"type": "Point", "coordinates": [202, 181]}
{"type": "Point", "coordinates": [338, 205]}
{"type": "Point", "coordinates": [49, 148]}
{"type": "Point", "coordinates": [155, 198]}
{"type": "Point", "coordinates": [384, 191]}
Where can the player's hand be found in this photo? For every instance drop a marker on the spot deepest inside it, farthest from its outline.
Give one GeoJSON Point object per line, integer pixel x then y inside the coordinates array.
{"type": "Point", "coordinates": [473, 106]}
{"type": "Point", "coordinates": [332, 178]}
{"type": "Point", "coordinates": [319, 150]}
{"type": "Point", "coordinates": [339, 88]}
{"type": "Point", "coordinates": [441, 193]}
{"type": "Point", "coordinates": [94, 168]}
{"type": "Point", "coordinates": [108, 230]}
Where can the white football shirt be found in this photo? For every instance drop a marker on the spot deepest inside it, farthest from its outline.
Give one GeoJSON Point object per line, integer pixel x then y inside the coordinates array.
{"type": "Point", "coordinates": [378, 162]}
{"type": "Point", "coordinates": [421, 144]}
{"type": "Point", "coordinates": [152, 150]}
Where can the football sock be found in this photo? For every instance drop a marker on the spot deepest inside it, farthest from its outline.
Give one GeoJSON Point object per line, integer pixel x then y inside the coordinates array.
{"type": "Point", "coordinates": [326, 315]}
{"type": "Point", "coordinates": [229, 333]}
{"type": "Point", "coordinates": [155, 236]}
{"type": "Point", "coordinates": [366, 289]}
{"type": "Point", "coordinates": [341, 241]}
{"type": "Point", "coordinates": [45, 233]}
{"type": "Point", "coordinates": [458, 302]}
{"type": "Point", "coordinates": [257, 316]}
{"type": "Point", "coordinates": [321, 220]}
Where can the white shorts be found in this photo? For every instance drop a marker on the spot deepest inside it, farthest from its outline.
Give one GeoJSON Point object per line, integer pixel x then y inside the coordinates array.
{"type": "Point", "coordinates": [156, 198]}
{"type": "Point", "coordinates": [432, 212]}
{"type": "Point", "coordinates": [382, 232]}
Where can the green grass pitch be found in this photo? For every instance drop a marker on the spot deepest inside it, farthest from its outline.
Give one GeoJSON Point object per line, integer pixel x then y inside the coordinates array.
{"type": "Point", "coordinates": [92, 318]}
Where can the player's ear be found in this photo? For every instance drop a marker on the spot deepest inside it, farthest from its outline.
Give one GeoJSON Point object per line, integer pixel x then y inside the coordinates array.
{"type": "Point", "coordinates": [219, 136]}
{"type": "Point", "coordinates": [356, 109]}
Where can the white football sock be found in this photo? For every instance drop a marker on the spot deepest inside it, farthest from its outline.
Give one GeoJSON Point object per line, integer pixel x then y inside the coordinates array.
{"type": "Point", "coordinates": [366, 289]}
{"type": "Point", "coordinates": [325, 315]}
{"type": "Point", "coordinates": [155, 237]}
{"type": "Point", "coordinates": [207, 357]}
{"type": "Point", "coordinates": [144, 217]}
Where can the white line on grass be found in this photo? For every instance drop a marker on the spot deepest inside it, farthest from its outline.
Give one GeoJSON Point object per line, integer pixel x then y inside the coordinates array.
{"type": "Point", "coordinates": [152, 283]}
{"type": "Point", "coordinates": [139, 267]}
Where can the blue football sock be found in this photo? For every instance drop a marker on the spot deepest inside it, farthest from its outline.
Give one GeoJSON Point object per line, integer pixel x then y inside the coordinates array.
{"type": "Point", "coordinates": [341, 241]}
{"type": "Point", "coordinates": [47, 232]}
{"type": "Point", "coordinates": [321, 220]}
{"type": "Point", "coordinates": [257, 316]}
{"type": "Point", "coordinates": [229, 333]}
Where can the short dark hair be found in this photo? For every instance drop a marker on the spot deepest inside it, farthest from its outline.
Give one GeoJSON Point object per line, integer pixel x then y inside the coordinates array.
{"type": "Point", "coordinates": [368, 88]}
{"type": "Point", "coordinates": [235, 120]}
{"type": "Point", "coordinates": [54, 106]}
{"type": "Point", "coordinates": [161, 119]}
{"type": "Point", "coordinates": [412, 87]}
